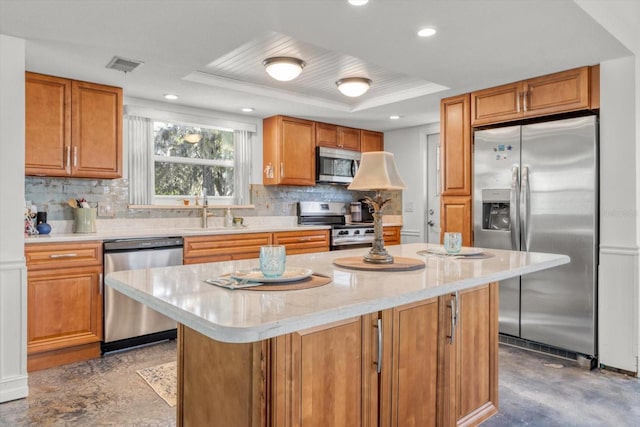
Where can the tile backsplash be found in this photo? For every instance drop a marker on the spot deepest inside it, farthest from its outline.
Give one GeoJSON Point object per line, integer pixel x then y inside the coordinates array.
{"type": "Point", "coordinates": [51, 194]}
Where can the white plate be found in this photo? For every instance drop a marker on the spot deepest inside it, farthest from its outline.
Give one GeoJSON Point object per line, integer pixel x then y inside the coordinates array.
{"type": "Point", "coordinates": [439, 250]}
{"type": "Point", "coordinates": [291, 274]}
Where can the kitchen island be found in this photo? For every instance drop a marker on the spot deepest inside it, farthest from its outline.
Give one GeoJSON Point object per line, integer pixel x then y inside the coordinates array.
{"type": "Point", "coordinates": [370, 348]}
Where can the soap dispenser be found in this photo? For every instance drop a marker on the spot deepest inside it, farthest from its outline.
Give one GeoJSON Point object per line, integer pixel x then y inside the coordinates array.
{"type": "Point", "coordinates": [228, 218]}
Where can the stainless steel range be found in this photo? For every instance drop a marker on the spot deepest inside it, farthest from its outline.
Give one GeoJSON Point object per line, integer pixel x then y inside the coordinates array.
{"type": "Point", "coordinates": [343, 235]}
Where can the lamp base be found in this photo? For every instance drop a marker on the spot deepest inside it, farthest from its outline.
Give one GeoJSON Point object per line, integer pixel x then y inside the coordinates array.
{"type": "Point", "coordinates": [378, 258]}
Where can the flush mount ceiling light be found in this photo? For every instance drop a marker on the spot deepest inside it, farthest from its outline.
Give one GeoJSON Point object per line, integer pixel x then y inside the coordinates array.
{"type": "Point", "coordinates": [192, 138]}
{"type": "Point", "coordinates": [358, 2]}
{"type": "Point", "coordinates": [353, 86]}
{"type": "Point", "coordinates": [283, 68]}
{"type": "Point", "coordinates": [426, 32]}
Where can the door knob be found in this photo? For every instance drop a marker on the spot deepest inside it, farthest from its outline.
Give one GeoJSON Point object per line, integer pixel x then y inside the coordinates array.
{"type": "Point", "coordinates": [430, 223]}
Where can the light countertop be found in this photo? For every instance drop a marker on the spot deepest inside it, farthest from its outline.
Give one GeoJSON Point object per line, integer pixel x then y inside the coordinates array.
{"type": "Point", "coordinates": [253, 315]}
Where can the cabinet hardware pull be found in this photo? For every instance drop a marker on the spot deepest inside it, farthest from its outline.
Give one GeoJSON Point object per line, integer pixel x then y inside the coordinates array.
{"type": "Point", "coordinates": [100, 283]}
{"type": "Point", "coordinates": [524, 99]}
{"type": "Point", "coordinates": [379, 360]}
{"type": "Point", "coordinates": [75, 156]}
{"type": "Point", "coordinates": [518, 102]}
{"type": "Point", "coordinates": [62, 255]}
{"type": "Point", "coordinates": [454, 316]}
{"type": "Point", "coordinates": [281, 169]}
{"type": "Point", "coordinates": [68, 165]}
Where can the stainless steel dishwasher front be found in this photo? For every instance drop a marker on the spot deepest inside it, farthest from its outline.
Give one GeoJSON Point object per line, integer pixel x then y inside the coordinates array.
{"type": "Point", "coordinates": [128, 323]}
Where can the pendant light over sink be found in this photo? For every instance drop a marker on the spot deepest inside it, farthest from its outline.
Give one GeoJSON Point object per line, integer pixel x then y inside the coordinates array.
{"type": "Point", "coordinates": [353, 86]}
{"type": "Point", "coordinates": [283, 68]}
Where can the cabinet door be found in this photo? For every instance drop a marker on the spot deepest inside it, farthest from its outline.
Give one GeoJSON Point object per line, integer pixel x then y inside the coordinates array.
{"type": "Point", "coordinates": [326, 135]}
{"type": "Point", "coordinates": [64, 308]}
{"type": "Point", "coordinates": [371, 141]}
{"type": "Point", "coordinates": [455, 146]}
{"type": "Point", "coordinates": [199, 249]}
{"type": "Point", "coordinates": [471, 357]}
{"type": "Point", "coordinates": [297, 151]}
{"type": "Point", "coordinates": [497, 104]}
{"type": "Point", "coordinates": [557, 93]}
{"type": "Point", "coordinates": [391, 235]}
{"type": "Point", "coordinates": [408, 393]}
{"type": "Point", "coordinates": [455, 215]}
{"type": "Point", "coordinates": [349, 138]}
{"type": "Point", "coordinates": [302, 242]}
{"type": "Point", "coordinates": [318, 376]}
{"type": "Point", "coordinates": [47, 125]}
{"type": "Point", "coordinates": [97, 131]}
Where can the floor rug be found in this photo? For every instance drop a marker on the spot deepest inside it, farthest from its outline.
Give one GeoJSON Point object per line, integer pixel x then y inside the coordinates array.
{"type": "Point", "coordinates": [162, 379]}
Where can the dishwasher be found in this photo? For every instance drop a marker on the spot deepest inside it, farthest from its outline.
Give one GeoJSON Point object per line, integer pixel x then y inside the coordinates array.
{"type": "Point", "coordinates": [128, 323]}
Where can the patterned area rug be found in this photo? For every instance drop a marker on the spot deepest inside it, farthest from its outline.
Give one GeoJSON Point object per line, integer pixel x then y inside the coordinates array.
{"type": "Point", "coordinates": [163, 380]}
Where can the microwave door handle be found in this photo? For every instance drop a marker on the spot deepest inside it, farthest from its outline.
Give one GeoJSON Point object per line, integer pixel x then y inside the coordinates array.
{"type": "Point", "coordinates": [354, 168]}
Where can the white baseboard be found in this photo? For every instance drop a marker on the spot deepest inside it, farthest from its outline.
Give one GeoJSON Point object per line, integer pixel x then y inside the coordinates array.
{"type": "Point", "coordinates": [14, 388]}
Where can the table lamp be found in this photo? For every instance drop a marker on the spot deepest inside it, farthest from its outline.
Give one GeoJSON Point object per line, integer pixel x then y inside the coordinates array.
{"type": "Point", "coordinates": [377, 172]}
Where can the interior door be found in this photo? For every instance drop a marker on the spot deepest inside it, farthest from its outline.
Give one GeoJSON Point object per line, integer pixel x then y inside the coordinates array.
{"type": "Point", "coordinates": [432, 208]}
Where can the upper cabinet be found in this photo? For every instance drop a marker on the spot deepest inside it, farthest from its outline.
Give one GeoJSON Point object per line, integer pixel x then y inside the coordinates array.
{"type": "Point", "coordinates": [456, 146]}
{"type": "Point", "coordinates": [288, 151]}
{"type": "Point", "coordinates": [73, 128]}
{"type": "Point", "coordinates": [333, 136]}
{"type": "Point", "coordinates": [371, 141]}
{"type": "Point", "coordinates": [566, 91]}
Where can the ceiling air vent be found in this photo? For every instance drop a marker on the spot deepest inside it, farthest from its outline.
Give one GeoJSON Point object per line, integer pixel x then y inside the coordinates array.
{"type": "Point", "coordinates": [122, 64]}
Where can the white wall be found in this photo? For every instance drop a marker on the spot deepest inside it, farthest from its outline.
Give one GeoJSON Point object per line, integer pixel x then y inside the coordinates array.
{"type": "Point", "coordinates": [409, 149]}
{"type": "Point", "coordinates": [13, 297]}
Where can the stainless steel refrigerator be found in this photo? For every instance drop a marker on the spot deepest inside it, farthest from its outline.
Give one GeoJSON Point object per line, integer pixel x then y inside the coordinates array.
{"type": "Point", "coordinates": [536, 189]}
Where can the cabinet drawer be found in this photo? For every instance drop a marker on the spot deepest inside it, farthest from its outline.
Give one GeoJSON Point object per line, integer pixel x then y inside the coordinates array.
{"type": "Point", "coordinates": [224, 247]}
{"type": "Point", "coordinates": [391, 235]}
{"type": "Point", "coordinates": [63, 255]}
{"type": "Point", "coordinates": [299, 242]}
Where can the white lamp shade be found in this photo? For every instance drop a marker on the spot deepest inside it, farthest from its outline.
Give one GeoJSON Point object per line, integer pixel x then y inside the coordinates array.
{"type": "Point", "coordinates": [377, 171]}
{"type": "Point", "coordinates": [353, 86]}
{"type": "Point", "coordinates": [283, 68]}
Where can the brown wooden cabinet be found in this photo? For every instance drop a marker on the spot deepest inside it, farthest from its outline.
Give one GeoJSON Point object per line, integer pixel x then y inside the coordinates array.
{"type": "Point", "coordinates": [561, 92]}
{"type": "Point", "coordinates": [288, 151]}
{"type": "Point", "coordinates": [455, 146]}
{"type": "Point", "coordinates": [73, 128]}
{"type": "Point", "coordinates": [470, 356]}
{"type": "Point", "coordinates": [224, 247]}
{"type": "Point", "coordinates": [391, 235]}
{"type": "Point", "coordinates": [371, 141]}
{"type": "Point", "coordinates": [455, 216]}
{"type": "Point", "coordinates": [64, 303]}
{"type": "Point", "coordinates": [333, 136]}
{"type": "Point", "coordinates": [303, 241]}
{"type": "Point", "coordinates": [428, 363]}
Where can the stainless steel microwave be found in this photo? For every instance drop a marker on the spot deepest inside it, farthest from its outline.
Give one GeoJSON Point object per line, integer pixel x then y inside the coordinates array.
{"type": "Point", "coordinates": [336, 166]}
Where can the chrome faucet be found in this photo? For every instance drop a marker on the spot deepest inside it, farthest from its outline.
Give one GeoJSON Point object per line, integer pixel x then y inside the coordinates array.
{"type": "Point", "coordinates": [205, 204]}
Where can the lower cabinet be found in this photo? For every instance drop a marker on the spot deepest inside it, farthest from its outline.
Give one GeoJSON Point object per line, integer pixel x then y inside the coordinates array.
{"type": "Point", "coordinates": [391, 235]}
{"type": "Point", "coordinates": [303, 242]}
{"type": "Point", "coordinates": [455, 215]}
{"type": "Point", "coordinates": [64, 303]}
{"type": "Point", "coordinates": [430, 363]}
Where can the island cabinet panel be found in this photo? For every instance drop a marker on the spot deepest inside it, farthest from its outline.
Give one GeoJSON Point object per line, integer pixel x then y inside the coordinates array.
{"type": "Point", "coordinates": [302, 242]}
{"type": "Point", "coordinates": [64, 303]}
{"type": "Point", "coordinates": [470, 356]}
{"type": "Point", "coordinates": [371, 141]}
{"type": "Point", "coordinates": [72, 128]}
{"type": "Point", "coordinates": [288, 151]}
{"type": "Point", "coordinates": [456, 146]}
{"type": "Point", "coordinates": [224, 247]}
{"type": "Point", "coordinates": [318, 376]}
{"type": "Point", "coordinates": [220, 384]}
{"type": "Point", "coordinates": [408, 392]}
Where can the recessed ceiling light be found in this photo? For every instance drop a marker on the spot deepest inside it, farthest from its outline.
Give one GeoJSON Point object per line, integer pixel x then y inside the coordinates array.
{"type": "Point", "coordinates": [248, 109]}
{"type": "Point", "coordinates": [358, 2]}
{"type": "Point", "coordinates": [427, 32]}
{"type": "Point", "coordinates": [394, 117]}
{"type": "Point", "coordinates": [170, 96]}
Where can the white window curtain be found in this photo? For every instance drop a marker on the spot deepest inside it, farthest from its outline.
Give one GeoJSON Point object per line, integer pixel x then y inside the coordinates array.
{"type": "Point", "coordinates": [139, 142]}
{"type": "Point", "coordinates": [242, 175]}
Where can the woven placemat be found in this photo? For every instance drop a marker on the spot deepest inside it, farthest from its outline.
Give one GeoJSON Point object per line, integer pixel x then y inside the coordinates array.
{"type": "Point", "coordinates": [310, 282]}
{"type": "Point", "coordinates": [399, 264]}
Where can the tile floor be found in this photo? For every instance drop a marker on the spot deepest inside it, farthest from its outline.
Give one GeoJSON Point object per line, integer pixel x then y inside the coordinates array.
{"type": "Point", "coordinates": [535, 390]}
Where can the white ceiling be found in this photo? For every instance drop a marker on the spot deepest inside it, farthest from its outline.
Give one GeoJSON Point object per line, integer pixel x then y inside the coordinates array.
{"type": "Point", "coordinates": [210, 52]}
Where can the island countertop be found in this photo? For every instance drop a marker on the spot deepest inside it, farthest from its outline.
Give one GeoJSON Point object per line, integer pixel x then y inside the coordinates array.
{"type": "Point", "coordinates": [252, 315]}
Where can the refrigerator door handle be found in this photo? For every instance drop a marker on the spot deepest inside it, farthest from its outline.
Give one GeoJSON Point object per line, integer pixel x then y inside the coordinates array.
{"type": "Point", "coordinates": [524, 206]}
{"type": "Point", "coordinates": [514, 207]}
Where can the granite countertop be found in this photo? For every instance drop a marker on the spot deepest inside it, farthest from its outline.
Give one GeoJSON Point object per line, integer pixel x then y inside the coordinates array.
{"type": "Point", "coordinates": [252, 315]}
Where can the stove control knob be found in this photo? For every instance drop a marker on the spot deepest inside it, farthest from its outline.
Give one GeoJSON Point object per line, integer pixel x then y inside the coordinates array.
{"type": "Point", "coordinates": [342, 232]}
{"type": "Point", "coordinates": [356, 232]}
{"type": "Point", "coordinates": [369, 231]}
